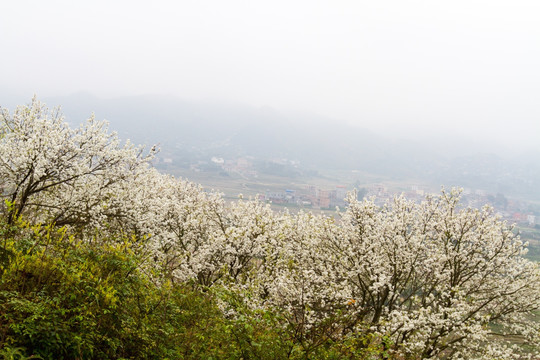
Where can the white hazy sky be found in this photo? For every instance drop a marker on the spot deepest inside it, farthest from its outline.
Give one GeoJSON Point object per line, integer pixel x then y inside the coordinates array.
{"type": "Point", "coordinates": [436, 67]}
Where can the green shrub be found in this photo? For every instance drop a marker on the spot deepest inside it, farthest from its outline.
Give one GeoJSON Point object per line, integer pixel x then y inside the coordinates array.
{"type": "Point", "coordinates": [61, 298]}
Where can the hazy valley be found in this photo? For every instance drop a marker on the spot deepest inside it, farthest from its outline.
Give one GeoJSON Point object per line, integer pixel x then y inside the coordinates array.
{"type": "Point", "coordinates": [306, 162]}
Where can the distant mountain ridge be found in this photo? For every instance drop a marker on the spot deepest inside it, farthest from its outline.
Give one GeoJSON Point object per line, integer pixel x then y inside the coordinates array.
{"type": "Point", "coordinates": [225, 130]}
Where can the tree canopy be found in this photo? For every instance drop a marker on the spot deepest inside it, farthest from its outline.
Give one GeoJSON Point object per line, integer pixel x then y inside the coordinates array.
{"type": "Point", "coordinates": [405, 280]}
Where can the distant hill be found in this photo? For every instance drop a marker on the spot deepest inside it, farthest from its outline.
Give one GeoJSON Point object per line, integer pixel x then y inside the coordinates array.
{"type": "Point", "coordinates": [201, 130]}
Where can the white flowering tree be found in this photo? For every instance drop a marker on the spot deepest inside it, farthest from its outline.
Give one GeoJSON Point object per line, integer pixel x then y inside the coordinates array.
{"type": "Point", "coordinates": [429, 280]}
{"type": "Point", "coordinates": [52, 173]}
{"type": "Point", "coordinates": [434, 280]}
{"type": "Point", "coordinates": [436, 277]}
{"type": "Point", "coordinates": [230, 244]}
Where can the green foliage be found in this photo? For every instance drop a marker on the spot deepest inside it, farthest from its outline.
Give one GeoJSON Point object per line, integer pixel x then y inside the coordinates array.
{"type": "Point", "coordinates": [10, 353]}
{"type": "Point", "coordinates": [61, 298]}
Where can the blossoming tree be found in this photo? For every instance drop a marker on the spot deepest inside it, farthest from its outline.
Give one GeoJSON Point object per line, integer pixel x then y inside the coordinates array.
{"type": "Point", "coordinates": [56, 174]}
{"type": "Point", "coordinates": [434, 279]}
{"type": "Point", "coordinates": [428, 280]}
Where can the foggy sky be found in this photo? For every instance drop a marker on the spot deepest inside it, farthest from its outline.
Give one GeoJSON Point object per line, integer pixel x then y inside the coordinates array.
{"type": "Point", "coordinates": [434, 68]}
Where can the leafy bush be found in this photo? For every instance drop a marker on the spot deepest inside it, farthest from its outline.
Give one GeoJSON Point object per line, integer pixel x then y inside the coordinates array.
{"type": "Point", "coordinates": [61, 298]}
